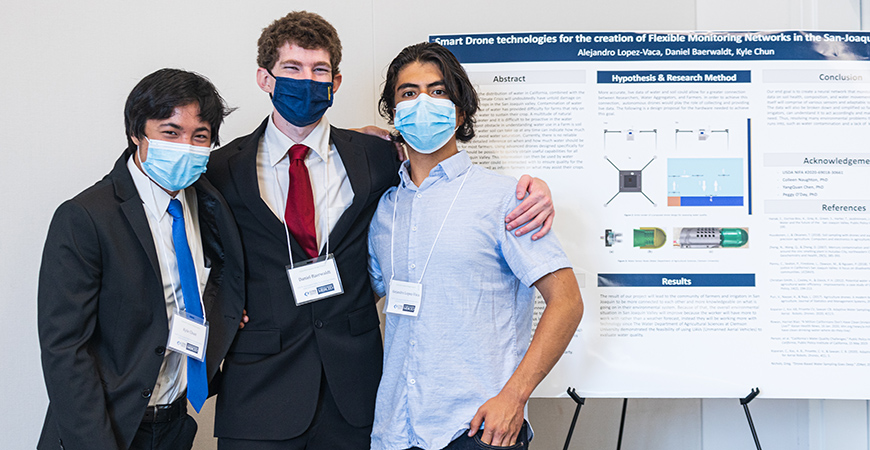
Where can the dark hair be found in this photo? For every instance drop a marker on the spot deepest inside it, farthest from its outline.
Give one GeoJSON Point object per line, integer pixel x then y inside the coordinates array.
{"type": "Point", "coordinates": [304, 29]}
{"type": "Point", "coordinates": [158, 94]}
{"type": "Point", "coordinates": [456, 83]}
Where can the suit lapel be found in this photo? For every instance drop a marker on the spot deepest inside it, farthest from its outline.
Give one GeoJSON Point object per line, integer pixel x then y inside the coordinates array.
{"type": "Point", "coordinates": [209, 235]}
{"type": "Point", "coordinates": [131, 204]}
{"type": "Point", "coordinates": [243, 169]}
{"type": "Point", "coordinates": [356, 165]}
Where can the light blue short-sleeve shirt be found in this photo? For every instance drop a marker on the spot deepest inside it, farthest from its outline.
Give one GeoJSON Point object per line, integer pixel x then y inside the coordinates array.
{"type": "Point", "coordinates": [475, 318]}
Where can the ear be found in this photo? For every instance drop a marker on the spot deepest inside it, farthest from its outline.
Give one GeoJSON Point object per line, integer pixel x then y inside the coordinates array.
{"type": "Point", "coordinates": [141, 148]}
{"type": "Point", "coordinates": [460, 118]}
{"type": "Point", "coordinates": [336, 82]}
{"type": "Point", "coordinates": [265, 81]}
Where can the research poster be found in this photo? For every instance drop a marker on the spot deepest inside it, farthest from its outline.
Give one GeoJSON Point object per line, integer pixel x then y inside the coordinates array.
{"type": "Point", "coordinates": [711, 190]}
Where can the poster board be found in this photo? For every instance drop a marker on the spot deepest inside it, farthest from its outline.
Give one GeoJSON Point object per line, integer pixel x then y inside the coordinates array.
{"type": "Point", "coordinates": [710, 191]}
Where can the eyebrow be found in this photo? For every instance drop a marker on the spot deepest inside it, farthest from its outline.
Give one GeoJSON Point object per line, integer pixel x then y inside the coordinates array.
{"type": "Point", "coordinates": [299, 63]}
{"type": "Point", "coordinates": [178, 127]}
{"type": "Point", "coordinates": [413, 85]}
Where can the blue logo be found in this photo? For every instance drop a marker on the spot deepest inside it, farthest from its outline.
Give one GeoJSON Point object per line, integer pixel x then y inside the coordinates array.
{"type": "Point", "coordinates": [326, 288]}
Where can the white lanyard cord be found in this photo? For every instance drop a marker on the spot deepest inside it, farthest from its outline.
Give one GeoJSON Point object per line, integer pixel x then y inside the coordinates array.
{"type": "Point", "coordinates": [283, 206]}
{"type": "Point", "coordinates": [393, 227]}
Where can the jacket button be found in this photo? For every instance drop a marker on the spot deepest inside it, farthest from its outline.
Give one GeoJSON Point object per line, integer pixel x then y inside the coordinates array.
{"type": "Point", "coordinates": [146, 393]}
{"type": "Point", "coordinates": [318, 323]}
{"type": "Point", "coordinates": [160, 350]}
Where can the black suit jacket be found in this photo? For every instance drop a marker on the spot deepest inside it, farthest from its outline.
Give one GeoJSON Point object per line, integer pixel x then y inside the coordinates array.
{"type": "Point", "coordinates": [272, 373]}
{"type": "Point", "coordinates": [102, 314]}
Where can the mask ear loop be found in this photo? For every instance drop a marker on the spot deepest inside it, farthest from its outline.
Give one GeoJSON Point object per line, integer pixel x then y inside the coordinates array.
{"type": "Point", "coordinates": [276, 82]}
{"type": "Point", "coordinates": [142, 169]}
{"type": "Point", "coordinates": [139, 158]}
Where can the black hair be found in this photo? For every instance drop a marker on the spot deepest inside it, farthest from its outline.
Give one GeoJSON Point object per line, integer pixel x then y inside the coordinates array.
{"type": "Point", "coordinates": [158, 94]}
{"type": "Point", "coordinates": [456, 83]}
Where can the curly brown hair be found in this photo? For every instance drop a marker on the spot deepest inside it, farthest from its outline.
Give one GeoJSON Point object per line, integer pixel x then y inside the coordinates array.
{"type": "Point", "coordinates": [304, 29]}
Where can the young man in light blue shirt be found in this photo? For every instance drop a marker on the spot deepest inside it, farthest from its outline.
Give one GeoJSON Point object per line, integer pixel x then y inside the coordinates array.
{"type": "Point", "coordinates": [459, 287]}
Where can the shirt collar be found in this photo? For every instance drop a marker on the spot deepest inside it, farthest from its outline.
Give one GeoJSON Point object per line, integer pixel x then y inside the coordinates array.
{"type": "Point", "coordinates": [277, 143]}
{"type": "Point", "coordinates": [155, 199]}
{"type": "Point", "coordinates": [451, 168]}
{"type": "Point", "coordinates": [455, 165]}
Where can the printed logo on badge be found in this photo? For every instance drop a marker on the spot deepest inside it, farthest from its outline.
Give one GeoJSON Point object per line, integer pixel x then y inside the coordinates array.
{"type": "Point", "coordinates": [409, 308]}
{"type": "Point", "coordinates": [328, 288]}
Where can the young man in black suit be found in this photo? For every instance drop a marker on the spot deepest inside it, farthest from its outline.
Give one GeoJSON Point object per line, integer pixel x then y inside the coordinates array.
{"type": "Point", "coordinates": [304, 371]}
{"type": "Point", "coordinates": [130, 261]}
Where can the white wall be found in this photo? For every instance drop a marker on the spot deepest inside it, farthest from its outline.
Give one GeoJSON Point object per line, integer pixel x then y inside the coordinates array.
{"type": "Point", "coordinates": [67, 67]}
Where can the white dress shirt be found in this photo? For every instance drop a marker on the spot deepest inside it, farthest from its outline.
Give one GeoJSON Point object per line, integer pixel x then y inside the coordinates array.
{"type": "Point", "coordinates": [332, 191]}
{"type": "Point", "coordinates": [172, 380]}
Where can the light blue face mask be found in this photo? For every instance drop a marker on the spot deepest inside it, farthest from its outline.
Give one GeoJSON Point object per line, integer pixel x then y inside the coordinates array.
{"type": "Point", "coordinates": [172, 165]}
{"type": "Point", "coordinates": [426, 123]}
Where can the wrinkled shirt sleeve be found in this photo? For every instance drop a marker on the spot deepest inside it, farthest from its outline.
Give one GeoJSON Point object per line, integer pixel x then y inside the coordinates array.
{"type": "Point", "coordinates": [375, 274]}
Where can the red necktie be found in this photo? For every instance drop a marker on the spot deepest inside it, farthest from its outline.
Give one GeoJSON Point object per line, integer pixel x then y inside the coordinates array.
{"type": "Point", "coordinates": [299, 214]}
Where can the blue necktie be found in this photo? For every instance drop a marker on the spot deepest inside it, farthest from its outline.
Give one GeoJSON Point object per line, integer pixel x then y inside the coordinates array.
{"type": "Point", "coordinates": [197, 382]}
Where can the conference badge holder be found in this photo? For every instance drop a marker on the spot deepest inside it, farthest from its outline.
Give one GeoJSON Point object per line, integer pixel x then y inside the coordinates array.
{"type": "Point", "coordinates": [404, 298]}
{"type": "Point", "coordinates": [314, 279]}
{"type": "Point", "coordinates": [188, 335]}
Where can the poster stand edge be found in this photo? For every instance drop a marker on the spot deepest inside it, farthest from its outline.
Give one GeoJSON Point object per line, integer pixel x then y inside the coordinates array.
{"type": "Point", "coordinates": [745, 402]}
{"type": "Point", "coordinates": [580, 402]}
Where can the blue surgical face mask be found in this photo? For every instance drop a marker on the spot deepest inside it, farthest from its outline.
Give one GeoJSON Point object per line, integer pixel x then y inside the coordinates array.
{"type": "Point", "coordinates": [426, 123]}
{"type": "Point", "coordinates": [301, 102]}
{"type": "Point", "coordinates": [172, 165]}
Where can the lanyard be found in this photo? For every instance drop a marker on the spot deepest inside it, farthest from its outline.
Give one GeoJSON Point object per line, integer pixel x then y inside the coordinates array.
{"type": "Point", "coordinates": [277, 188]}
{"type": "Point", "coordinates": [393, 228]}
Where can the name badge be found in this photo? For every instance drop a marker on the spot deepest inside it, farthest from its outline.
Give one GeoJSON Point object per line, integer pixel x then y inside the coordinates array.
{"type": "Point", "coordinates": [188, 335]}
{"type": "Point", "coordinates": [404, 298]}
{"type": "Point", "coordinates": [314, 279]}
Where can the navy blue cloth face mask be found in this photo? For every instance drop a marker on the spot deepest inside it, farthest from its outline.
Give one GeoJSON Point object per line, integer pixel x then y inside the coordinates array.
{"type": "Point", "coordinates": [301, 102]}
